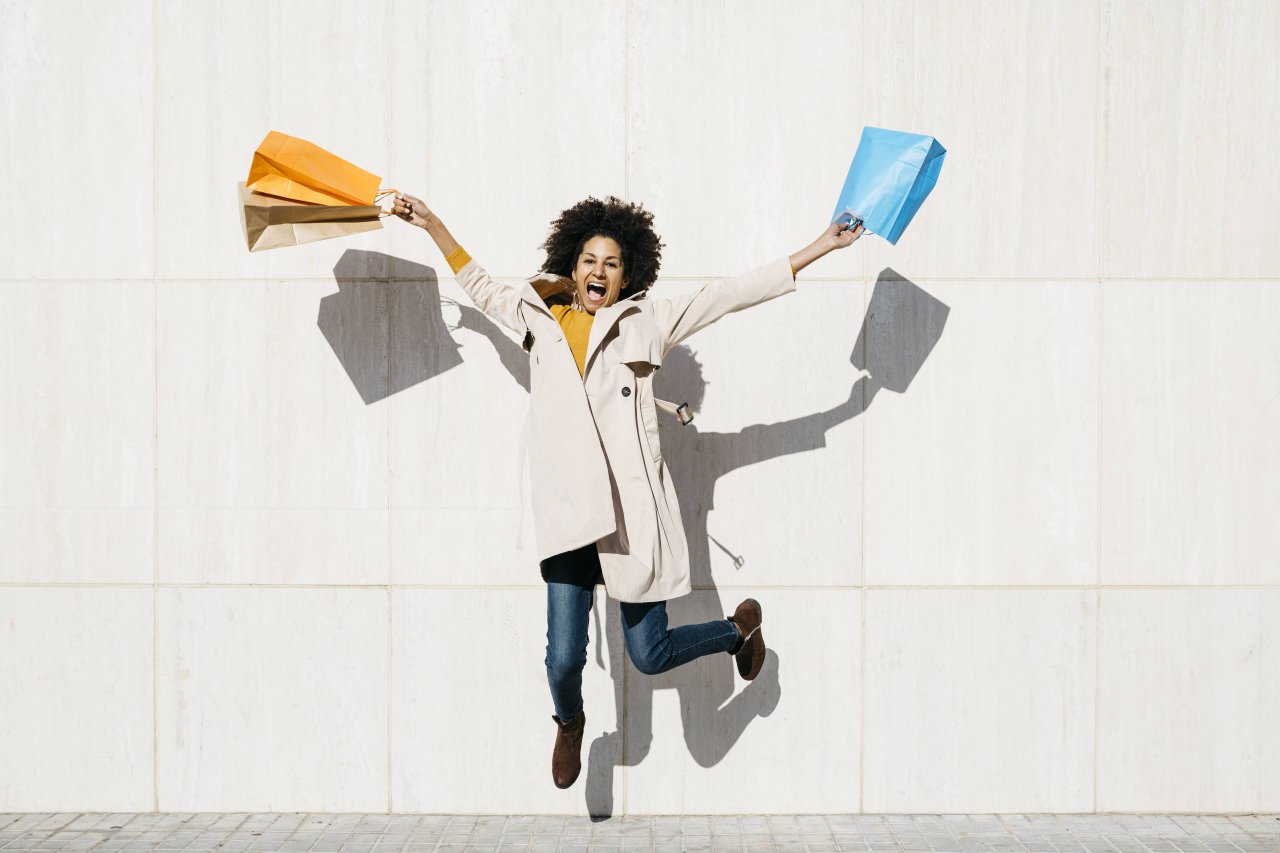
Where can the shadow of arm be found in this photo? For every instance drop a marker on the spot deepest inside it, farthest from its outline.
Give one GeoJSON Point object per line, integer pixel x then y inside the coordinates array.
{"type": "Point", "coordinates": [513, 358]}
{"type": "Point", "coordinates": [759, 442]}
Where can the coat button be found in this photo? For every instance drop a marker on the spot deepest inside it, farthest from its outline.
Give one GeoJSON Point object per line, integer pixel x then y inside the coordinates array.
{"type": "Point", "coordinates": [626, 392]}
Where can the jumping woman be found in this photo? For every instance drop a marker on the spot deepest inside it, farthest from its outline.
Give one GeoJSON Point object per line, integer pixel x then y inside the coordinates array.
{"type": "Point", "coordinates": [604, 507]}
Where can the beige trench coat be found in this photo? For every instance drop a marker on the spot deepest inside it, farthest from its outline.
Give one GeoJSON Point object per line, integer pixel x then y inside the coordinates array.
{"type": "Point", "coordinates": [595, 463]}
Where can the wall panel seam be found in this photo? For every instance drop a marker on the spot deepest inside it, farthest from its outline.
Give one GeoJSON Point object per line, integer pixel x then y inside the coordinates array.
{"type": "Point", "coordinates": [862, 573]}
{"type": "Point", "coordinates": [624, 771]}
{"type": "Point", "coordinates": [697, 278]}
{"type": "Point", "coordinates": [862, 543]}
{"type": "Point", "coordinates": [1100, 119]}
{"type": "Point", "coordinates": [155, 439]}
{"type": "Point", "coordinates": [513, 278]}
{"type": "Point", "coordinates": [388, 129]}
{"type": "Point", "coordinates": [699, 587]}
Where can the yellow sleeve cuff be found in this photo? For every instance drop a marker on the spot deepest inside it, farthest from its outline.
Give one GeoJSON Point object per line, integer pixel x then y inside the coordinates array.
{"type": "Point", "coordinates": [458, 259]}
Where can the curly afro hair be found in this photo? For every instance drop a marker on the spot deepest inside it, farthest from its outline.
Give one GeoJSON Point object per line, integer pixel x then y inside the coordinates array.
{"type": "Point", "coordinates": [629, 224]}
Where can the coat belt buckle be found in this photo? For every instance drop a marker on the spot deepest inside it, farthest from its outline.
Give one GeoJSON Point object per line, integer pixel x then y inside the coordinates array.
{"type": "Point", "coordinates": [683, 413]}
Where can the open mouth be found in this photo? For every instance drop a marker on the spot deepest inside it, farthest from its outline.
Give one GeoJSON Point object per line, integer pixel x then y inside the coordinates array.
{"type": "Point", "coordinates": [595, 294]}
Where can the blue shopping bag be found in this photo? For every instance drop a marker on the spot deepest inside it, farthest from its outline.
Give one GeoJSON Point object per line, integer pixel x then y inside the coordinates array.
{"type": "Point", "coordinates": [891, 175]}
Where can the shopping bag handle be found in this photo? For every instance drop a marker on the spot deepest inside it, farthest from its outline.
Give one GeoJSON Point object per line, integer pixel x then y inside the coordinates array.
{"type": "Point", "coordinates": [380, 195]}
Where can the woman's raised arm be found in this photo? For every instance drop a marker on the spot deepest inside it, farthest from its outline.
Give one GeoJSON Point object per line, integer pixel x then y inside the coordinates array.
{"type": "Point", "coordinates": [681, 316]}
{"type": "Point", "coordinates": [498, 302]}
{"type": "Point", "coordinates": [415, 211]}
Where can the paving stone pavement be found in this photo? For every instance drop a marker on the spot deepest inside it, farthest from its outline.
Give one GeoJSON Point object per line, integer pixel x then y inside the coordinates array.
{"type": "Point", "coordinates": [369, 833]}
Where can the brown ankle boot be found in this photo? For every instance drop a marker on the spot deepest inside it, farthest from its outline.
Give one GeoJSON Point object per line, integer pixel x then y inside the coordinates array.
{"type": "Point", "coordinates": [566, 760]}
{"type": "Point", "coordinates": [750, 649]}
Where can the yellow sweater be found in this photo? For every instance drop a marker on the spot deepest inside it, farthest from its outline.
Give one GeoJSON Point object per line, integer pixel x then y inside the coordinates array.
{"type": "Point", "coordinates": [576, 324]}
{"type": "Point", "coordinates": [577, 331]}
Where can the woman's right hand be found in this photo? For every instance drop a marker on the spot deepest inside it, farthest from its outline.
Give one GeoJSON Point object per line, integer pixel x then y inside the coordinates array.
{"type": "Point", "coordinates": [415, 211]}
{"type": "Point", "coordinates": [411, 209]}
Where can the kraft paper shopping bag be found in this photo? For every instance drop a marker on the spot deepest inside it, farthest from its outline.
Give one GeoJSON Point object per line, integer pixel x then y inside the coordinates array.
{"type": "Point", "coordinates": [270, 223]}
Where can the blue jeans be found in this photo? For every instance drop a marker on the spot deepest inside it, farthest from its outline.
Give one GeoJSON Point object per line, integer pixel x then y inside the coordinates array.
{"type": "Point", "coordinates": [652, 647]}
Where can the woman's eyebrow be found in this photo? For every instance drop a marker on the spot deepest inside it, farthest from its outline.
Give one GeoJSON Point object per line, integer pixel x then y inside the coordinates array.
{"type": "Point", "coordinates": [593, 254]}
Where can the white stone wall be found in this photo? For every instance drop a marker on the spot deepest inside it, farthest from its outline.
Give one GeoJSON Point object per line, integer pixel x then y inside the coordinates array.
{"type": "Point", "coordinates": [257, 533]}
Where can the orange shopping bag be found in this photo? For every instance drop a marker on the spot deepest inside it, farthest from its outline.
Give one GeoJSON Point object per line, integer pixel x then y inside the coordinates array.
{"type": "Point", "coordinates": [287, 167]}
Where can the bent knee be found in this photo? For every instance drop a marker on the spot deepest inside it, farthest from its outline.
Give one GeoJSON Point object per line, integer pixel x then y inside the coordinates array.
{"type": "Point", "coordinates": [649, 661]}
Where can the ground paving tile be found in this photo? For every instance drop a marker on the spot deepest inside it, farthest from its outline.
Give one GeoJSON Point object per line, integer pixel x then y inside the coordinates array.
{"type": "Point", "coordinates": [845, 833]}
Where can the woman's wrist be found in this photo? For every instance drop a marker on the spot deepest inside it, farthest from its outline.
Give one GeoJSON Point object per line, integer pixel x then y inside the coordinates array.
{"type": "Point", "coordinates": [443, 239]}
{"type": "Point", "coordinates": [809, 254]}
{"type": "Point", "coordinates": [431, 223]}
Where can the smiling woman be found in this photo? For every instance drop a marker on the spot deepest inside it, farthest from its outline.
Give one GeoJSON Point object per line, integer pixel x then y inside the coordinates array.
{"type": "Point", "coordinates": [605, 510]}
{"type": "Point", "coordinates": [592, 241]}
{"type": "Point", "coordinates": [607, 250]}
{"type": "Point", "coordinates": [598, 274]}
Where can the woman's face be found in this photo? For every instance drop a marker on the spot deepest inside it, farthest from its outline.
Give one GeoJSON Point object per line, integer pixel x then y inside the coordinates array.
{"type": "Point", "coordinates": [598, 273]}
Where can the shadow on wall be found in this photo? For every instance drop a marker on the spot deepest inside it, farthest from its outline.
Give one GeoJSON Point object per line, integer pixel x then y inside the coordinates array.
{"type": "Point", "coordinates": [902, 325]}
{"type": "Point", "coordinates": [387, 335]}
{"type": "Point", "coordinates": [392, 336]}
{"type": "Point", "coordinates": [900, 329]}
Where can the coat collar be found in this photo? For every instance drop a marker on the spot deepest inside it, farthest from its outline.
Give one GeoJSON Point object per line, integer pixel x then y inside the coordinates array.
{"type": "Point", "coordinates": [606, 319]}
{"type": "Point", "coordinates": [536, 290]}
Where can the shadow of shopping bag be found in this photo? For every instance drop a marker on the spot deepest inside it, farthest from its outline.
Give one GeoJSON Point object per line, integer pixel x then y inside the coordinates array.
{"type": "Point", "coordinates": [902, 325]}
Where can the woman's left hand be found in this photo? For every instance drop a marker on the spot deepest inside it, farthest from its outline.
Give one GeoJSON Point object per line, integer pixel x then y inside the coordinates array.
{"type": "Point", "coordinates": [839, 235]}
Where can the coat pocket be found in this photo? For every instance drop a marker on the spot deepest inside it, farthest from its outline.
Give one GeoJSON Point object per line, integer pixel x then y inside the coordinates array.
{"type": "Point", "coordinates": [646, 409]}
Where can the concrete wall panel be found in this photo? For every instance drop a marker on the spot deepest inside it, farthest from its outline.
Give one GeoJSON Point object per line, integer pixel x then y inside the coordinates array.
{"type": "Point", "coordinates": [77, 700]}
{"type": "Point", "coordinates": [1191, 407]}
{"type": "Point", "coordinates": [77, 459]}
{"type": "Point", "coordinates": [1187, 698]}
{"type": "Point", "coordinates": [76, 80]}
{"type": "Point", "coordinates": [979, 700]}
{"type": "Point", "coordinates": [1191, 122]}
{"type": "Point", "coordinates": [272, 700]}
